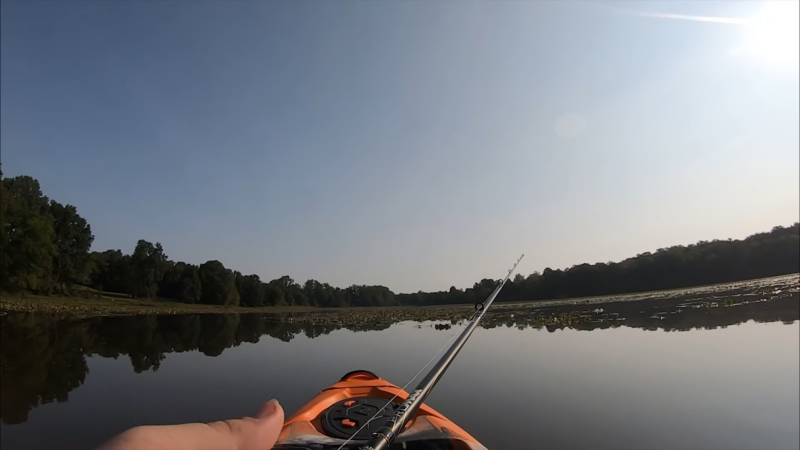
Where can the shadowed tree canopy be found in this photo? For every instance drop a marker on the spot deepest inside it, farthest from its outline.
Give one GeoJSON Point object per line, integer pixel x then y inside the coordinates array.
{"type": "Point", "coordinates": [72, 239]}
{"type": "Point", "coordinates": [110, 271]}
{"type": "Point", "coordinates": [219, 284]}
{"type": "Point", "coordinates": [27, 247]}
{"type": "Point", "coordinates": [181, 282]}
{"type": "Point", "coordinates": [148, 265]}
{"type": "Point", "coordinates": [253, 292]}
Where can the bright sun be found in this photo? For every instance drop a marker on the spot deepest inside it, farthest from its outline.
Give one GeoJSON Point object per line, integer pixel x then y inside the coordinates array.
{"type": "Point", "coordinates": [775, 31]}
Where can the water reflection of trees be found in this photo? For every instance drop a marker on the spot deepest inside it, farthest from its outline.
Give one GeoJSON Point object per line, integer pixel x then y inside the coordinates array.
{"type": "Point", "coordinates": [44, 369]}
{"type": "Point", "coordinates": [43, 358]}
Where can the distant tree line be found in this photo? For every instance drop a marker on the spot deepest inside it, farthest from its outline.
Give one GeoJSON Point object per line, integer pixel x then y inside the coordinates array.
{"type": "Point", "coordinates": [772, 253]}
{"type": "Point", "coordinates": [45, 249]}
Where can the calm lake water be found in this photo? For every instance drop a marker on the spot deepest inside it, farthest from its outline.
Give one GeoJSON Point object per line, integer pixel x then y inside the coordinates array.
{"type": "Point", "coordinates": [686, 377]}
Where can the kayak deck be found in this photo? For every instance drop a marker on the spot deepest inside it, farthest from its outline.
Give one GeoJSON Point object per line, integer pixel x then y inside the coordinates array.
{"type": "Point", "coordinates": [344, 410]}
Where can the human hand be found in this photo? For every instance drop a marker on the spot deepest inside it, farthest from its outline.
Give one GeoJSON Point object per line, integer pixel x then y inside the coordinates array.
{"type": "Point", "coordinates": [250, 433]}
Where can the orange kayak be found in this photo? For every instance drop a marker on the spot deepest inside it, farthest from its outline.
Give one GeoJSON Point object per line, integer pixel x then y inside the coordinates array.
{"type": "Point", "coordinates": [363, 411]}
{"type": "Point", "coordinates": [343, 411]}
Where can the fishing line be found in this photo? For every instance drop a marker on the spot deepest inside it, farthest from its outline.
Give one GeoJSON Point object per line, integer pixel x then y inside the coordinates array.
{"type": "Point", "coordinates": [384, 437]}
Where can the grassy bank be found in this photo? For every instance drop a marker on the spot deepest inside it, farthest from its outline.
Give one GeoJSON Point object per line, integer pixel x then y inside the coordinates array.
{"type": "Point", "coordinates": [95, 303]}
{"type": "Point", "coordinates": [112, 305]}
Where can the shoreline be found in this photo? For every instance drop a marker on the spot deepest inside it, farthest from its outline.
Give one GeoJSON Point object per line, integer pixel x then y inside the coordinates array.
{"type": "Point", "coordinates": [79, 307]}
{"type": "Point", "coordinates": [91, 307]}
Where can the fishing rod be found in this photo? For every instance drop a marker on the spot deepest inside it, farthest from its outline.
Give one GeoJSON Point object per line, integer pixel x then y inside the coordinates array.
{"type": "Point", "coordinates": [383, 437]}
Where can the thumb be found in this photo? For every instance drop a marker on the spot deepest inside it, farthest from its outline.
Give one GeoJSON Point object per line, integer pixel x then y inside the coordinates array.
{"type": "Point", "coordinates": [268, 409]}
{"type": "Point", "coordinates": [264, 428]}
{"type": "Point", "coordinates": [251, 433]}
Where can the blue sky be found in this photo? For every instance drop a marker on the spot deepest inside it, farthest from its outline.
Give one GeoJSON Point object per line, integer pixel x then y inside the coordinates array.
{"type": "Point", "coordinates": [417, 145]}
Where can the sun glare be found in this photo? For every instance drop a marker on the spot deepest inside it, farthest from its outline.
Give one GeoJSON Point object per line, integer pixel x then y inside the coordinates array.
{"type": "Point", "coordinates": [775, 31]}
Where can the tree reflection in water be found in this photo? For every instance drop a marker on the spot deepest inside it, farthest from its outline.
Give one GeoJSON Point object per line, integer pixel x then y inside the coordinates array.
{"type": "Point", "coordinates": [43, 357]}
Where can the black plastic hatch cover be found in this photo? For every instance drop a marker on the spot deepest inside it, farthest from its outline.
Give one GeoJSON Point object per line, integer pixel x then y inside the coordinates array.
{"type": "Point", "coordinates": [346, 416]}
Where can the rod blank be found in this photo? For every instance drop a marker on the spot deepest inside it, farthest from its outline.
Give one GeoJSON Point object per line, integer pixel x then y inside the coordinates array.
{"type": "Point", "coordinates": [385, 436]}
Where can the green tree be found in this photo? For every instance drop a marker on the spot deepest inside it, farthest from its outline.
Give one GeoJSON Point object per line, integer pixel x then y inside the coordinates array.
{"type": "Point", "coordinates": [170, 284]}
{"type": "Point", "coordinates": [148, 264]}
{"type": "Point", "coordinates": [27, 247]}
{"type": "Point", "coordinates": [6, 261]}
{"type": "Point", "coordinates": [191, 287]}
{"type": "Point", "coordinates": [180, 282]}
{"type": "Point", "coordinates": [274, 294]}
{"type": "Point", "coordinates": [219, 284]}
{"type": "Point", "coordinates": [238, 280]}
{"type": "Point", "coordinates": [72, 238]}
{"type": "Point", "coordinates": [286, 291]}
{"type": "Point", "coordinates": [110, 271]}
{"type": "Point", "coordinates": [252, 291]}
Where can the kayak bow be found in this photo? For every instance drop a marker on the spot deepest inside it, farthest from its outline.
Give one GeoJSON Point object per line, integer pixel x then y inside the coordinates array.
{"type": "Point", "coordinates": [360, 412]}
{"type": "Point", "coordinates": [336, 413]}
